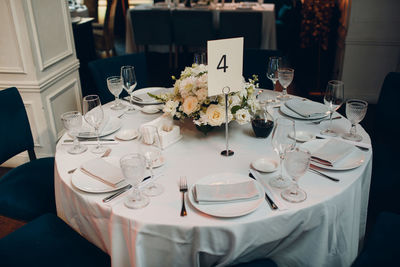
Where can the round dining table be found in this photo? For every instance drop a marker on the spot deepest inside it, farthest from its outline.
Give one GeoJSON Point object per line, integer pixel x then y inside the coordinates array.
{"type": "Point", "coordinates": [327, 229]}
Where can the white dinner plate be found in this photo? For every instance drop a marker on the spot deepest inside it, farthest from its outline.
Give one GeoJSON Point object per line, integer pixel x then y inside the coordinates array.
{"type": "Point", "coordinates": [227, 209]}
{"type": "Point", "coordinates": [146, 99]}
{"type": "Point", "coordinates": [89, 184]}
{"type": "Point", "coordinates": [112, 125]}
{"type": "Point", "coordinates": [355, 159]}
{"type": "Point", "coordinates": [285, 110]}
{"type": "Point", "coordinates": [302, 136]}
{"type": "Point", "coordinates": [265, 165]}
{"type": "Point", "coordinates": [151, 109]}
{"type": "Point", "coordinates": [127, 134]}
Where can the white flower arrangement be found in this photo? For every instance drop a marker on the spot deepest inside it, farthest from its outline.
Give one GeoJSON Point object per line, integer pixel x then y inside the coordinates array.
{"type": "Point", "coordinates": [190, 100]}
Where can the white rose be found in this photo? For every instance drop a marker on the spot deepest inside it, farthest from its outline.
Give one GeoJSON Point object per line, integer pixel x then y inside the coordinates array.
{"type": "Point", "coordinates": [190, 104]}
{"type": "Point", "coordinates": [202, 94]}
{"type": "Point", "coordinates": [242, 116]}
{"type": "Point", "coordinates": [170, 107]}
{"type": "Point", "coordinates": [186, 86]}
{"type": "Point", "coordinates": [235, 100]}
{"type": "Point", "coordinates": [215, 115]}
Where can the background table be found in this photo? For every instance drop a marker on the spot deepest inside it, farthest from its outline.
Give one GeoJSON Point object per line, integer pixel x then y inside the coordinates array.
{"type": "Point", "coordinates": [268, 29]}
{"type": "Point", "coordinates": [325, 230]}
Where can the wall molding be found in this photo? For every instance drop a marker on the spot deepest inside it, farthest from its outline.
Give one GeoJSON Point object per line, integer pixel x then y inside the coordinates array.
{"type": "Point", "coordinates": [45, 64]}
{"type": "Point", "coordinates": [29, 107]}
{"type": "Point", "coordinates": [45, 82]}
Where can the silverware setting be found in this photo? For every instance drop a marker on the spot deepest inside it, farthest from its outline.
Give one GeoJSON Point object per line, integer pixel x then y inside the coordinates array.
{"type": "Point", "coordinates": [94, 139]}
{"type": "Point", "coordinates": [121, 190]}
{"type": "Point", "coordinates": [312, 169]}
{"type": "Point", "coordinates": [183, 188]}
{"type": "Point", "coordinates": [105, 154]}
{"type": "Point", "coordinates": [137, 98]}
{"type": "Point", "coordinates": [326, 119]}
{"type": "Point", "coordinates": [270, 202]}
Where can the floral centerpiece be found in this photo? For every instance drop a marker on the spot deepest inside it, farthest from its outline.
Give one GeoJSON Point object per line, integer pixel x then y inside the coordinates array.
{"type": "Point", "coordinates": [190, 100]}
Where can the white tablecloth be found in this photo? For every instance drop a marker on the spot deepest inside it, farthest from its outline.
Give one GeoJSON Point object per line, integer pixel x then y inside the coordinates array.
{"type": "Point", "coordinates": [268, 28]}
{"type": "Point", "coordinates": [324, 230]}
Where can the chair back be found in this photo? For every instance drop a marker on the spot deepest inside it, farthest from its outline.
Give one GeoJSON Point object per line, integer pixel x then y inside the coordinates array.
{"type": "Point", "coordinates": [109, 22]}
{"type": "Point", "coordinates": [386, 114]}
{"type": "Point", "coordinates": [103, 68]}
{"type": "Point", "coordinates": [241, 24]}
{"type": "Point", "coordinates": [15, 130]}
{"type": "Point", "coordinates": [255, 61]}
{"type": "Point", "coordinates": [151, 26]}
{"type": "Point", "coordinates": [192, 27]}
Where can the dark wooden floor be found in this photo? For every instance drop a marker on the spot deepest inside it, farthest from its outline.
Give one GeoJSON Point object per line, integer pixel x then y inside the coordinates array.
{"type": "Point", "coordinates": [8, 225]}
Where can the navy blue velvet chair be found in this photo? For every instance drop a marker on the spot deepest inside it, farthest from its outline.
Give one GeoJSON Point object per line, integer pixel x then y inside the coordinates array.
{"type": "Point", "coordinates": [26, 191]}
{"type": "Point", "coordinates": [47, 242]}
{"type": "Point", "coordinates": [382, 245]}
{"type": "Point", "coordinates": [257, 263]}
{"type": "Point", "coordinates": [103, 68]}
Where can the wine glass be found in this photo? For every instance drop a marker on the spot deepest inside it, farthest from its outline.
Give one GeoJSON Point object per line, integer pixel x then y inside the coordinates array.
{"type": "Point", "coordinates": [333, 98]}
{"type": "Point", "coordinates": [72, 121]}
{"type": "Point", "coordinates": [200, 58]}
{"type": "Point", "coordinates": [133, 167]}
{"type": "Point", "coordinates": [285, 77]}
{"type": "Point", "coordinates": [94, 115]}
{"type": "Point", "coordinates": [150, 148]}
{"type": "Point", "coordinates": [282, 142]}
{"type": "Point", "coordinates": [129, 83]}
{"type": "Point", "coordinates": [355, 112]}
{"type": "Point", "coordinates": [272, 71]}
{"type": "Point", "coordinates": [296, 164]}
{"type": "Point", "coordinates": [114, 84]}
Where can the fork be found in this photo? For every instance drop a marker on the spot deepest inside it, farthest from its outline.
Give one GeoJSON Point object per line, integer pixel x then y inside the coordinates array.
{"type": "Point", "coordinates": [319, 121]}
{"type": "Point", "coordinates": [183, 188]}
{"type": "Point", "coordinates": [106, 154]}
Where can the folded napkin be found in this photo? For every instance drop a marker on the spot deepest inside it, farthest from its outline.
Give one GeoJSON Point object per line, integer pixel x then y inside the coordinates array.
{"type": "Point", "coordinates": [225, 193]}
{"type": "Point", "coordinates": [103, 171]}
{"type": "Point", "coordinates": [331, 152]}
{"type": "Point", "coordinates": [305, 108]}
{"type": "Point", "coordinates": [168, 132]}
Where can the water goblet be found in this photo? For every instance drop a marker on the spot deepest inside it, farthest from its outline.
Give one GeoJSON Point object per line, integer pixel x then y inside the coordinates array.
{"type": "Point", "coordinates": [272, 71]}
{"type": "Point", "coordinates": [150, 148]}
{"type": "Point", "coordinates": [94, 115]}
{"type": "Point", "coordinates": [133, 166]}
{"type": "Point", "coordinates": [129, 83]}
{"type": "Point", "coordinates": [114, 84]}
{"type": "Point", "coordinates": [333, 98]}
{"type": "Point", "coordinates": [355, 112]}
{"type": "Point", "coordinates": [296, 164]}
{"type": "Point", "coordinates": [282, 142]}
{"type": "Point", "coordinates": [72, 121]}
{"type": "Point", "coordinates": [285, 77]}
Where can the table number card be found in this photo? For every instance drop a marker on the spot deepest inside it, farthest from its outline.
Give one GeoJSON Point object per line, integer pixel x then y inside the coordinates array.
{"type": "Point", "coordinates": [225, 65]}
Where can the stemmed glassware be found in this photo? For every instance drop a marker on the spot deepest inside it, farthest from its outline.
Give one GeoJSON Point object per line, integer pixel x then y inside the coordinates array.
{"type": "Point", "coordinates": [272, 71]}
{"type": "Point", "coordinates": [333, 98]}
{"type": "Point", "coordinates": [94, 115]}
{"type": "Point", "coordinates": [282, 142]}
{"type": "Point", "coordinates": [129, 83]}
{"type": "Point", "coordinates": [285, 77]}
{"type": "Point", "coordinates": [296, 164]}
{"type": "Point", "coordinates": [355, 112]}
{"type": "Point", "coordinates": [133, 167]}
{"type": "Point", "coordinates": [150, 148]}
{"type": "Point", "coordinates": [72, 121]}
{"type": "Point", "coordinates": [114, 84]}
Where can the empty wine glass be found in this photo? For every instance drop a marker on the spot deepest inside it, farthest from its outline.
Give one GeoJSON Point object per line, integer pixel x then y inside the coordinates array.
{"type": "Point", "coordinates": [282, 142]}
{"type": "Point", "coordinates": [296, 164]}
{"type": "Point", "coordinates": [272, 71]}
{"type": "Point", "coordinates": [72, 121]}
{"type": "Point", "coordinates": [355, 112]}
{"type": "Point", "coordinates": [133, 167]}
{"type": "Point", "coordinates": [285, 77]}
{"type": "Point", "coordinates": [94, 115]}
{"type": "Point", "coordinates": [333, 98]}
{"type": "Point", "coordinates": [150, 148]}
{"type": "Point", "coordinates": [114, 84]}
{"type": "Point", "coordinates": [129, 83]}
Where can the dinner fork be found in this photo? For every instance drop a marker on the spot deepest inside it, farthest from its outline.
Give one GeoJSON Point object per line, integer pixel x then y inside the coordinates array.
{"type": "Point", "coordinates": [183, 188]}
{"type": "Point", "coordinates": [319, 121]}
{"type": "Point", "coordinates": [106, 154]}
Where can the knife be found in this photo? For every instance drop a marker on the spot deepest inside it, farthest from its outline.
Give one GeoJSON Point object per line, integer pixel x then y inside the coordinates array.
{"type": "Point", "coordinates": [88, 139]}
{"type": "Point", "coordinates": [267, 198]}
{"type": "Point", "coordinates": [312, 169]}
{"type": "Point", "coordinates": [121, 190]}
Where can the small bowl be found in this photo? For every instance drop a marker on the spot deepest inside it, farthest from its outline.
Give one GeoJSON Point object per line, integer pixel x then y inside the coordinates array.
{"type": "Point", "coordinates": [302, 136]}
{"type": "Point", "coordinates": [265, 165]}
{"type": "Point", "coordinates": [150, 109]}
{"type": "Point", "coordinates": [127, 134]}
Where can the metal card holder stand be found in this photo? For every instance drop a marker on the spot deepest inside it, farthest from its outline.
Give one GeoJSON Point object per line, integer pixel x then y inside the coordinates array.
{"type": "Point", "coordinates": [227, 152]}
